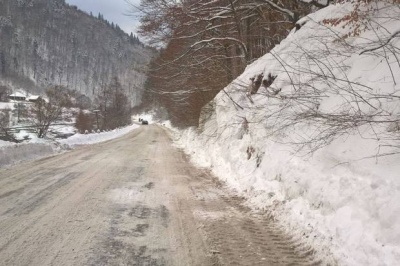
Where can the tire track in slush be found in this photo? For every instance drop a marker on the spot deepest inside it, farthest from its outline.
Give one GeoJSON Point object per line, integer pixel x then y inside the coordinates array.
{"type": "Point", "coordinates": [238, 236]}
{"type": "Point", "coordinates": [246, 238]}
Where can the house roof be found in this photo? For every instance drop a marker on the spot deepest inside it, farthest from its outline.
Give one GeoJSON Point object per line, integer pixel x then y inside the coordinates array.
{"type": "Point", "coordinates": [33, 97]}
{"type": "Point", "coordinates": [18, 94]}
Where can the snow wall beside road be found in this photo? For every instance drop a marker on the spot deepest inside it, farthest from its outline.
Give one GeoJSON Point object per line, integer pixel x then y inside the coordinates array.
{"type": "Point", "coordinates": [342, 198]}
{"type": "Point", "coordinates": [12, 154]}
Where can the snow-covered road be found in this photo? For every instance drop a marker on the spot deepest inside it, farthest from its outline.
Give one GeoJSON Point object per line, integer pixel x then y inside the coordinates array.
{"type": "Point", "coordinates": [135, 200]}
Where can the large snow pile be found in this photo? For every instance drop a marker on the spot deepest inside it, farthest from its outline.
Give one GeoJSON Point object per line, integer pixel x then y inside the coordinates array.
{"type": "Point", "coordinates": [11, 154]}
{"type": "Point", "coordinates": [35, 148]}
{"type": "Point", "coordinates": [317, 144]}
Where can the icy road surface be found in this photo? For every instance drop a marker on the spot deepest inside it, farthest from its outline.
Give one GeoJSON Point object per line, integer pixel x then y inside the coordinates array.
{"type": "Point", "coordinates": [135, 200]}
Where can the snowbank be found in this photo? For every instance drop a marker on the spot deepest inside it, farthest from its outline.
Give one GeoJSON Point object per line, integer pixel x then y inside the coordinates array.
{"type": "Point", "coordinates": [11, 153]}
{"type": "Point", "coordinates": [335, 193]}
{"type": "Point", "coordinates": [83, 139]}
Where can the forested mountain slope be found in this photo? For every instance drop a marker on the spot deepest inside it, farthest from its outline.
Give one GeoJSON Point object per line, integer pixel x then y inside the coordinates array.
{"type": "Point", "coordinates": [207, 45]}
{"type": "Point", "coordinates": [45, 42]}
{"type": "Point", "coordinates": [310, 132]}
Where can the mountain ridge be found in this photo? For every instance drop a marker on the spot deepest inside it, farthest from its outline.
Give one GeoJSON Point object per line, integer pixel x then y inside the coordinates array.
{"type": "Point", "coordinates": [46, 43]}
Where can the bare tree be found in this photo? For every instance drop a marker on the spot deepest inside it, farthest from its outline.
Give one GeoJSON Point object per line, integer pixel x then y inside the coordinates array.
{"type": "Point", "coordinates": [207, 45]}
{"type": "Point", "coordinates": [4, 93]}
{"type": "Point", "coordinates": [45, 112]}
{"type": "Point", "coordinates": [84, 121]}
{"type": "Point", "coordinates": [113, 105]}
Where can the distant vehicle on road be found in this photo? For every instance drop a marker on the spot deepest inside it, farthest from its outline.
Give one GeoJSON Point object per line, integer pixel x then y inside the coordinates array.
{"type": "Point", "coordinates": [145, 122]}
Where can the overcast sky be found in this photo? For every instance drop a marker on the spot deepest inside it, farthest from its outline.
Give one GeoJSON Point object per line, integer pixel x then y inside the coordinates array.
{"type": "Point", "coordinates": [112, 10]}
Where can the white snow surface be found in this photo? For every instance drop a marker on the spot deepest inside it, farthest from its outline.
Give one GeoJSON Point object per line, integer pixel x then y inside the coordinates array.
{"type": "Point", "coordinates": [340, 198]}
{"type": "Point", "coordinates": [35, 148]}
{"type": "Point", "coordinates": [84, 139]}
{"type": "Point", "coordinates": [7, 105]}
{"type": "Point", "coordinates": [11, 154]}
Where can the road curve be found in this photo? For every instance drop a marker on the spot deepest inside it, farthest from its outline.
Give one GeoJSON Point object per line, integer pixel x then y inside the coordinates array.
{"type": "Point", "coordinates": [135, 200]}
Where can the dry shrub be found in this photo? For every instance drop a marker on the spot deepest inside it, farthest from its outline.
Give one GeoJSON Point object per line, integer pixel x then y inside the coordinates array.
{"type": "Point", "coordinates": [84, 122]}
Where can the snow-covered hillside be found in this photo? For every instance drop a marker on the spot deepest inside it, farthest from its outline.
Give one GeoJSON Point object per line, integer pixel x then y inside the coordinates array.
{"type": "Point", "coordinates": [46, 43]}
{"type": "Point", "coordinates": [317, 144]}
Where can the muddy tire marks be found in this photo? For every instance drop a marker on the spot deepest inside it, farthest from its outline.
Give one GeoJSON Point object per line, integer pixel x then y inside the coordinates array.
{"type": "Point", "coordinates": [133, 201]}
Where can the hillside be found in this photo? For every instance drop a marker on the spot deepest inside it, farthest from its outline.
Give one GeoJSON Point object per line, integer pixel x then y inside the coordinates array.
{"type": "Point", "coordinates": [310, 133]}
{"type": "Point", "coordinates": [47, 42]}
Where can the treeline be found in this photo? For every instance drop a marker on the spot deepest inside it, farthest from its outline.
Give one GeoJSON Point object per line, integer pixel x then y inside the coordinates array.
{"type": "Point", "coordinates": [133, 39]}
{"type": "Point", "coordinates": [207, 44]}
{"type": "Point", "coordinates": [47, 42]}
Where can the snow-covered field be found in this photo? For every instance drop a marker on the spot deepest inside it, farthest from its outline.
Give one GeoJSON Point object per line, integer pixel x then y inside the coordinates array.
{"type": "Point", "coordinates": [35, 148]}
{"type": "Point", "coordinates": [8, 105]}
{"type": "Point", "coordinates": [340, 194]}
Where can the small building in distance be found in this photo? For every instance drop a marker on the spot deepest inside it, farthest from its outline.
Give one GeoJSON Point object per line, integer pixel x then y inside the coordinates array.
{"type": "Point", "coordinates": [17, 96]}
{"type": "Point", "coordinates": [23, 97]}
{"type": "Point", "coordinates": [34, 98]}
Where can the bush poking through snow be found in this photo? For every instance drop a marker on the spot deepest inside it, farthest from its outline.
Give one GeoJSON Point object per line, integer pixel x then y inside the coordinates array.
{"type": "Point", "coordinates": [250, 150]}
{"type": "Point", "coordinates": [84, 121]}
